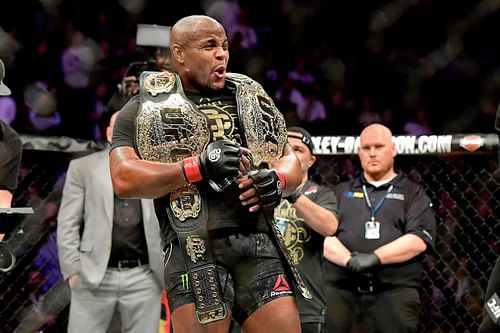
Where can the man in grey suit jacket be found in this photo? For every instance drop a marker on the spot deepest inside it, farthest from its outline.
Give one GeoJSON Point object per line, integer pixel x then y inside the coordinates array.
{"type": "Point", "coordinates": [109, 250]}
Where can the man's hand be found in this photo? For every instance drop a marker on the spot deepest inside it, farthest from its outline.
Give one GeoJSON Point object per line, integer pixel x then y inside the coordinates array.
{"type": "Point", "coordinates": [219, 165]}
{"type": "Point", "coordinates": [361, 262]}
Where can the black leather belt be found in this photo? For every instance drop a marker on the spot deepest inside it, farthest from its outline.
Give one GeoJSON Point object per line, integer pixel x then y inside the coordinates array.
{"type": "Point", "coordinates": [367, 286]}
{"type": "Point", "coordinates": [127, 263]}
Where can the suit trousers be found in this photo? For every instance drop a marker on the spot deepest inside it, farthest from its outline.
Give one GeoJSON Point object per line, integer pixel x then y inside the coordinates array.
{"type": "Point", "coordinates": [133, 293]}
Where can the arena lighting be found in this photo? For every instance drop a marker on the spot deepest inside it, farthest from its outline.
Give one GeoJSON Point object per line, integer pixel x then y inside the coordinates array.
{"type": "Point", "coordinates": [153, 35]}
{"type": "Point", "coordinates": [16, 245]}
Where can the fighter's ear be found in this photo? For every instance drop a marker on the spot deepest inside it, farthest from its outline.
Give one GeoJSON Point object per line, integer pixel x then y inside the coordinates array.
{"type": "Point", "coordinates": [177, 52]}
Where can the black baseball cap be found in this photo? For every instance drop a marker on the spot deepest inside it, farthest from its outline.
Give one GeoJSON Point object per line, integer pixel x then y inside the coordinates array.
{"type": "Point", "coordinates": [301, 134]}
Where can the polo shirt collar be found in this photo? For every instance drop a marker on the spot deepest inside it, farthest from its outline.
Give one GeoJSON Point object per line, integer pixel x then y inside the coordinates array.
{"type": "Point", "coordinates": [397, 181]}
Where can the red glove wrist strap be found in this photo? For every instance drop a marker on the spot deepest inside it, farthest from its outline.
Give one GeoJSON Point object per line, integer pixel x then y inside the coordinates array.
{"type": "Point", "coordinates": [281, 177]}
{"type": "Point", "coordinates": [192, 169]}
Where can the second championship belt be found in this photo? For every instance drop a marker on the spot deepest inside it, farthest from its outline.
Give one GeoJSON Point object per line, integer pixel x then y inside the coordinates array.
{"type": "Point", "coordinates": [264, 132]}
{"type": "Point", "coordinates": [170, 128]}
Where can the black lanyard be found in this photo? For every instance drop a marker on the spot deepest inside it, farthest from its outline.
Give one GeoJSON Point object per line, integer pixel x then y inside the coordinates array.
{"type": "Point", "coordinates": [373, 210]}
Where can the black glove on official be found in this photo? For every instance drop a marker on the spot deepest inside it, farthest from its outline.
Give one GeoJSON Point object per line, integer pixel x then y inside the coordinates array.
{"type": "Point", "coordinates": [269, 186]}
{"type": "Point", "coordinates": [218, 164]}
{"type": "Point", "coordinates": [361, 262]}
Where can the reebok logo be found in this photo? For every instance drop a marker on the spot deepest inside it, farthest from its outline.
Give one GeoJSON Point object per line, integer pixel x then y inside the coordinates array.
{"type": "Point", "coordinates": [281, 287]}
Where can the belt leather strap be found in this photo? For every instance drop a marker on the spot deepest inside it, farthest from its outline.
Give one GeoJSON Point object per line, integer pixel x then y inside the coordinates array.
{"type": "Point", "coordinates": [264, 133]}
{"type": "Point", "coordinates": [202, 272]}
{"type": "Point", "coordinates": [169, 129]}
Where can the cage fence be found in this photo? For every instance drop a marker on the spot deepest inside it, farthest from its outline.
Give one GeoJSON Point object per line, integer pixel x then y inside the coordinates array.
{"type": "Point", "coordinates": [464, 189]}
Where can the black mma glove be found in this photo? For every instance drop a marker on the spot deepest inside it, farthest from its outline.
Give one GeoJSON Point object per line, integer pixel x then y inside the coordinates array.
{"type": "Point", "coordinates": [361, 262]}
{"type": "Point", "coordinates": [269, 184]}
{"type": "Point", "coordinates": [218, 164]}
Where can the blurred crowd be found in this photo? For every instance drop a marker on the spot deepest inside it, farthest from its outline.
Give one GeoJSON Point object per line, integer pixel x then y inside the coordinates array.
{"type": "Point", "coordinates": [419, 67]}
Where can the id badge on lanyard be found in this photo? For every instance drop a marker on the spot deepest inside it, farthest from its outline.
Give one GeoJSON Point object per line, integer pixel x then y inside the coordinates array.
{"type": "Point", "coordinates": [372, 227]}
{"type": "Point", "coordinates": [372, 230]}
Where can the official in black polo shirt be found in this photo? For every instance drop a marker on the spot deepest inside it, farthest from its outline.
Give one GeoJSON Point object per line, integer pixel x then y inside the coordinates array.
{"type": "Point", "coordinates": [374, 265]}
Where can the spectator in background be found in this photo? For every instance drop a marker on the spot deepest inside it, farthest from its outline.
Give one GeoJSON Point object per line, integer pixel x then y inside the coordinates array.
{"type": "Point", "coordinates": [8, 109]}
{"type": "Point", "coordinates": [43, 116]}
{"type": "Point", "coordinates": [312, 110]}
{"type": "Point", "coordinates": [248, 35]}
{"type": "Point", "coordinates": [288, 91]}
{"type": "Point", "coordinates": [288, 108]}
{"type": "Point", "coordinates": [240, 56]}
{"type": "Point", "coordinates": [77, 62]}
{"type": "Point", "coordinates": [128, 87]}
{"type": "Point", "coordinates": [301, 76]}
{"type": "Point", "coordinates": [367, 114]}
{"type": "Point", "coordinates": [305, 218]}
{"type": "Point", "coordinates": [109, 250]}
{"type": "Point", "coordinates": [102, 98]}
{"type": "Point", "coordinates": [375, 259]}
{"type": "Point", "coordinates": [77, 98]}
{"type": "Point", "coordinates": [225, 11]}
{"type": "Point", "coordinates": [418, 124]}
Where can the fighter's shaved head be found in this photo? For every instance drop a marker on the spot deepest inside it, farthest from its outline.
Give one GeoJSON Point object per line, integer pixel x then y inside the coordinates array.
{"type": "Point", "coordinates": [200, 54]}
{"type": "Point", "coordinates": [187, 28]}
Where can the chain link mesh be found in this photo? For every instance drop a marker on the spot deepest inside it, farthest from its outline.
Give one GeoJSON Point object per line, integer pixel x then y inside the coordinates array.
{"type": "Point", "coordinates": [464, 190]}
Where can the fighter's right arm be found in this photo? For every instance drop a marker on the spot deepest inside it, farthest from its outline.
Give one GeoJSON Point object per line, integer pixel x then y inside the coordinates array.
{"type": "Point", "coordinates": [218, 165]}
{"type": "Point", "coordinates": [136, 178]}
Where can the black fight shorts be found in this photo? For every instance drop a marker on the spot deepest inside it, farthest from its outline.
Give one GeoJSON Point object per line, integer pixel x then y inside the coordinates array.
{"type": "Point", "coordinates": [250, 271]}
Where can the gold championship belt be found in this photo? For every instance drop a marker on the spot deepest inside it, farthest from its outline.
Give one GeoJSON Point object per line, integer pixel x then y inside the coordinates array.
{"type": "Point", "coordinates": [170, 128]}
{"type": "Point", "coordinates": [262, 125]}
{"type": "Point", "coordinates": [264, 133]}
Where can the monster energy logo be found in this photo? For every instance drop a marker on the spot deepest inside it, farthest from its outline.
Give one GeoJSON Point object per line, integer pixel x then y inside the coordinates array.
{"type": "Point", "coordinates": [185, 281]}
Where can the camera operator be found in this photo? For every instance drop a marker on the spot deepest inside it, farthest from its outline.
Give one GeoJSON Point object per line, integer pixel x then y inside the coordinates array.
{"type": "Point", "coordinates": [128, 87]}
